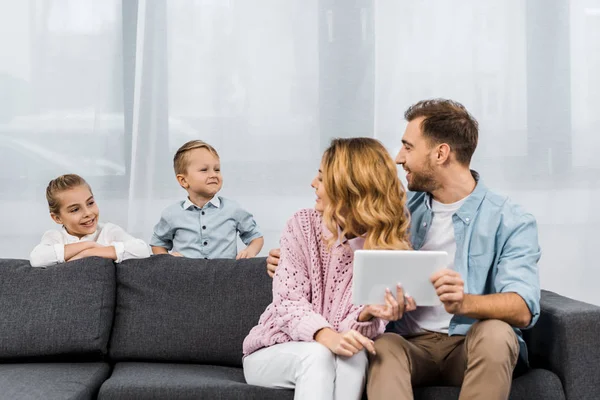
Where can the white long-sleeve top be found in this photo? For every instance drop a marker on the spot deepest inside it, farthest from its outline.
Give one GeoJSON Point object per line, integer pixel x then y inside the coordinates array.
{"type": "Point", "coordinates": [51, 250]}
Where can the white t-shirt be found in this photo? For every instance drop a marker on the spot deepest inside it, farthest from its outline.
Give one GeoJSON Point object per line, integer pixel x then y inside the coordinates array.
{"type": "Point", "coordinates": [51, 250]}
{"type": "Point", "coordinates": [440, 237]}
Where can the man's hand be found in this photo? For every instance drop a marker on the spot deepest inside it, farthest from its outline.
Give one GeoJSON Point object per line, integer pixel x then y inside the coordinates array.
{"type": "Point", "coordinates": [176, 254]}
{"type": "Point", "coordinates": [344, 344]}
{"type": "Point", "coordinates": [392, 310]}
{"type": "Point", "coordinates": [273, 261]}
{"type": "Point", "coordinates": [450, 288]}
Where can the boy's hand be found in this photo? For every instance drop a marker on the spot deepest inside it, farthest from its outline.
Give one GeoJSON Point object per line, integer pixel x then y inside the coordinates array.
{"type": "Point", "coordinates": [243, 254]}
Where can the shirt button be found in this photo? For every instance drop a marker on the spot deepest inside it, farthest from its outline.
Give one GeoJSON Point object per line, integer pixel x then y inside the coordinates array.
{"type": "Point", "coordinates": [205, 243]}
{"type": "Point", "coordinates": [203, 226]}
{"type": "Point", "coordinates": [467, 219]}
{"type": "Point", "coordinates": [202, 212]}
{"type": "Point", "coordinates": [424, 224]}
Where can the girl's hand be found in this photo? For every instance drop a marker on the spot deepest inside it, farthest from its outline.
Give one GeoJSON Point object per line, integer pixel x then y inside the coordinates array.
{"type": "Point", "coordinates": [344, 344]}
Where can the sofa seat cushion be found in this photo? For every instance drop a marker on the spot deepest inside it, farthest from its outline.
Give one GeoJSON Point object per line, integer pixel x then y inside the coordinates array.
{"type": "Point", "coordinates": [534, 384]}
{"type": "Point", "coordinates": [50, 313]}
{"type": "Point", "coordinates": [141, 381]}
{"type": "Point", "coordinates": [52, 381]}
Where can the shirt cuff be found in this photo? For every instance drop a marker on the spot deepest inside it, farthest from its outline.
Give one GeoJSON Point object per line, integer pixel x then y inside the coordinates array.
{"type": "Point", "coordinates": [59, 250]}
{"type": "Point", "coordinates": [119, 250]}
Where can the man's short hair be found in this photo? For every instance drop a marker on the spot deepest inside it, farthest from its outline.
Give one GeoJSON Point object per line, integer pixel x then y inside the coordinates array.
{"type": "Point", "coordinates": [447, 121]}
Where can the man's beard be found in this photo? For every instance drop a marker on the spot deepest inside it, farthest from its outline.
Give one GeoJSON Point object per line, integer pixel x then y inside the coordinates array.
{"type": "Point", "coordinates": [423, 181]}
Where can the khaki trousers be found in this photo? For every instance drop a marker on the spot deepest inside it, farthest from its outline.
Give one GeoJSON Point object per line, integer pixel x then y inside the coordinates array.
{"type": "Point", "coordinates": [482, 362]}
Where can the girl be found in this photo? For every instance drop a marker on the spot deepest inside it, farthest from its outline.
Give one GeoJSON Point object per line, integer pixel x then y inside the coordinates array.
{"type": "Point", "coordinates": [311, 338]}
{"type": "Point", "coordinates": [72, 205]}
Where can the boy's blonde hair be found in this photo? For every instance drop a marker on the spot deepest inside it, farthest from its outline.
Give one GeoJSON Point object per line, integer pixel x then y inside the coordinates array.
{"type": "Point", "coordinates": [181, 160]}
{"type": "Point", "coordinates": [60, 184]}
{"type": "Point", "coordinates": [366, 195]}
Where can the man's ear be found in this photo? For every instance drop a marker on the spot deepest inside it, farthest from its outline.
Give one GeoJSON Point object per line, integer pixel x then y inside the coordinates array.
{"type": "Point", "coordinates": [442, 153]}
{"type": "Point", "coordinates": [182, 181]}
{"type": "Point", "coordinates": [56, 218]}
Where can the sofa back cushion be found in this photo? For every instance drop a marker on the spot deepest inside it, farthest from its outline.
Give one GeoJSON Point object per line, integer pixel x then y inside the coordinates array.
{"type": "Point", "coordinates": [176, 309]}
{"type": "Point", "coordinates": [63, 311]}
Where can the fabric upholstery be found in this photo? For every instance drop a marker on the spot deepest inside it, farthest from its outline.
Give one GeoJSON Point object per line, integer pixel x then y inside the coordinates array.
{"type": "Point", "coordinates": [154, 381]}
{"type": "Point", "coordinates": [535, 384]}
{"type": "Point", "coordinates": [52, 381]}
{"type": "Point", "coordinates": [566, 340]}
{"type": "Point", "coordinates": [63, 310]}
{"type": "Point", "coordinates": [175, 309]}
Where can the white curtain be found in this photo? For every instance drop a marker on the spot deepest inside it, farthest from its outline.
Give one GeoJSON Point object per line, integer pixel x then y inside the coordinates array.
{"type": "Point", "coordinates": [110, 89]}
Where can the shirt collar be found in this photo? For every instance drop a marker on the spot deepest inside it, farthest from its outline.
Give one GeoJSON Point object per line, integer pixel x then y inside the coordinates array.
{"type": "Point", "coordinates": [468, 210]}
{"type": "Point", "coordinates": [91, 237]}
{"type": "Point", "coordinates": [356, 243]}
{"type": "Point", "coordinates": [215, 201]}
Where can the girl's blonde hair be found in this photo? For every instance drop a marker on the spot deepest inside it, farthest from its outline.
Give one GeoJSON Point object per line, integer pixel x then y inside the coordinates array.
{"type": "Point", "coordinates": [60, 184]}
{"type": "Point", "coordinates": [365, 194]}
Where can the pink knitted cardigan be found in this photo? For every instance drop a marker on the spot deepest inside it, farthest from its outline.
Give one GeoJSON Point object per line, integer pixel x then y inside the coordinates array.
{"type": "Point", "coordinates": [312, 288]}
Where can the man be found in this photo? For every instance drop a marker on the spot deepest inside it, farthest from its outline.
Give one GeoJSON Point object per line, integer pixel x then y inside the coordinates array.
{"type": "Point", "coordinates": [491, 286]}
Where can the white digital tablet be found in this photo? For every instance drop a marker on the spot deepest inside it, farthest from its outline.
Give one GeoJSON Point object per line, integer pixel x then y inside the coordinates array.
{"type": "Point", "coordinates": [376, 270]}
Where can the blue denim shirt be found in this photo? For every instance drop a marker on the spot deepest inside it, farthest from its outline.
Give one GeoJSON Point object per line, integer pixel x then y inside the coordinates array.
{"type": "Point", "coordinates": [497, 250]}
{"type": "Point", "coordinates": [207, 232]}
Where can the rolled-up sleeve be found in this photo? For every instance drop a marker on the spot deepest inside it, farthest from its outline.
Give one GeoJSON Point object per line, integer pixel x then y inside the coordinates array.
{"type": "Point", "coordinates": [517, 266]}
{"type": "Point", "coordinates": [163, 234]}
{"type": "Point", "coordinates": [50, 251]}
{"type": "Point", "coordinates": [247, 227]}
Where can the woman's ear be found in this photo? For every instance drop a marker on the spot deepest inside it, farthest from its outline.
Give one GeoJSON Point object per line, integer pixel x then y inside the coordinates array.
{"type": "Point", "coordinates": [182, 181]}
{"type": "Point", "coordinates": [56, 218]}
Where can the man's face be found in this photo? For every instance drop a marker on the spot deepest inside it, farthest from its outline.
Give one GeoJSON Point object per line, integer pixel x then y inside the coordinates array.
{"type": "Point", "coordinates": [416, 157]}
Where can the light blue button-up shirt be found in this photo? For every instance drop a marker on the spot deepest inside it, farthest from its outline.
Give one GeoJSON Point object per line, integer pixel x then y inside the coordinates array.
{"type": "Point", "coordinates": [497, 250]}
{"type": "Point", "coordinates": [207, 232]}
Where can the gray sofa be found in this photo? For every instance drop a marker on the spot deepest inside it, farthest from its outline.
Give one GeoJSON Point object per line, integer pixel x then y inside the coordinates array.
{"type": "Point", "coordinates": [172, 328]}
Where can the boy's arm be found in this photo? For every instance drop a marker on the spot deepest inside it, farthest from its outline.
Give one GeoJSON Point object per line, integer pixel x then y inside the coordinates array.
{"type": "Point", "coordinates": [159, 250]}
{"type": "Point", "coordinates": [252, 250]}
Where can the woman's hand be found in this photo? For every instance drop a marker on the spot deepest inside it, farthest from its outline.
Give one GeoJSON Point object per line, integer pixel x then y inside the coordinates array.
{"type": "Point", "coordinates": [392, 310]}
{"type": "Point", "coordinates": [344, 344]}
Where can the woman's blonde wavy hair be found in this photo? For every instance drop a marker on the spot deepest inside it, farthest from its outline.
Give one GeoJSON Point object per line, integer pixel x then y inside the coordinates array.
{"type": "Point", "coordinates": [365, 194]}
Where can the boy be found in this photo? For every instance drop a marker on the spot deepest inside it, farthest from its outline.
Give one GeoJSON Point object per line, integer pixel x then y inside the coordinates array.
{"type": "Point", "coordinates": [204, 225]}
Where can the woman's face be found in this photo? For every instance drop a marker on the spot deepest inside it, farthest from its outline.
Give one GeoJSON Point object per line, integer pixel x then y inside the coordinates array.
{"type": "Point", "coordinates": [317, 184]}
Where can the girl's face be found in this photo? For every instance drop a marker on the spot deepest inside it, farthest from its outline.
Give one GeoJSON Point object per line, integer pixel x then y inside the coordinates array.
{"type": "Point", "coordinates": [317, 184]}
{"type": "Point", "coordinates": [78, 211]}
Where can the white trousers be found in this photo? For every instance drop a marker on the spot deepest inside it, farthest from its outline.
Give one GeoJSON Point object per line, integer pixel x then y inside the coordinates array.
{"type": "Point", "coordinates": [310, 368]}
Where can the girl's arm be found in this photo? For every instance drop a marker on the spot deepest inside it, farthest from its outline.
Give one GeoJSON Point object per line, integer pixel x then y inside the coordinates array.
{"type": "Point", "coordinates": [125, 245]}
{"type": "Point", "coordinates": [52, 250]}
{"type": "Point", "coordinates": [102, 251]}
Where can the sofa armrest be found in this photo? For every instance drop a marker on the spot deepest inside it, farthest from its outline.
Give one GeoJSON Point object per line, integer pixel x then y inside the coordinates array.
{"type": "Point", "coordinates": [566, 340]}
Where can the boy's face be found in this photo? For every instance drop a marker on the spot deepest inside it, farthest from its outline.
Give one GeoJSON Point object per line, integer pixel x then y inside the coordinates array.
{"type": "Point", "coordinates": [78, 211]}
{"type": "Point", "coordinates": [203, 176]}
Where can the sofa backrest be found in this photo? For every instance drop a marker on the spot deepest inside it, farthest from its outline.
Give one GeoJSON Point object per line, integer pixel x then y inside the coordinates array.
{"type": "Point", "coordinates": [60, 312]}
{"type": "Point", "coordinates": [174, 309]}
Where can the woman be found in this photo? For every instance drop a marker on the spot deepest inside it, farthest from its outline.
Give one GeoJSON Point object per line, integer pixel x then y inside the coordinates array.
{"type": "Point", "coordinates": [311, 337]}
